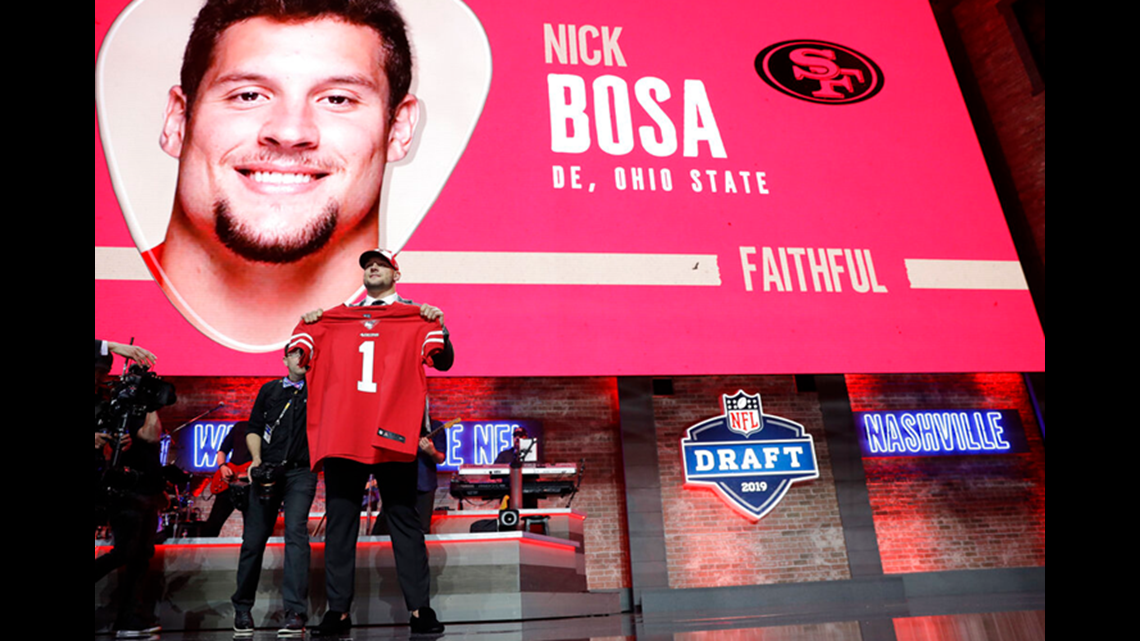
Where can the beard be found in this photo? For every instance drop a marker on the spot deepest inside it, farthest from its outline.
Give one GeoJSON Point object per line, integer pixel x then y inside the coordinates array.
{"type": "Point", "coordinates": [278, 248]}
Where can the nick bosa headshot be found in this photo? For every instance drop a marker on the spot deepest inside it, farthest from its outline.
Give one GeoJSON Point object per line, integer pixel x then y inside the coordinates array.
{"type": "Point", "coordinates": [282, 125]}
{"type": "Point", "coordinates": [284, 121]}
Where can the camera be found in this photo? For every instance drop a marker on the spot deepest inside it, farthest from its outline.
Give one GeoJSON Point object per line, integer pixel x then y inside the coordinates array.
{"type": "Point", "coordinates": [265, 477]}
{"type": "Point", "coordinates": [134, 395]}
{"type": "Point", "coordinates": [140, 391]}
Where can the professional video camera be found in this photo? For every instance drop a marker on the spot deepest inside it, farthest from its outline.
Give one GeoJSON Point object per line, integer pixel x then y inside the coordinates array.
{"type": "Point", "coordinates": [135, 394]}
{"type": "Point", "coordinates": [138, 392]}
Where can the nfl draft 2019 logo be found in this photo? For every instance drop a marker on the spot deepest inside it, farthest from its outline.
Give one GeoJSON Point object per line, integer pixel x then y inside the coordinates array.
{"type": "Point", "coordinates": [749, 458]}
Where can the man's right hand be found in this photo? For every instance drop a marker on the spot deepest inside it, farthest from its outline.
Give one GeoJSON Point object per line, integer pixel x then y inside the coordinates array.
{"type": "Point", "coordinates": [313, 316]}
{"type": "Point", "coordinates": [133, 352]}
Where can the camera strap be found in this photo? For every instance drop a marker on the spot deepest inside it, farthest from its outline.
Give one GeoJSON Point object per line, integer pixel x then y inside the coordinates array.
{"type": "Point", "coordinates": [268, 436]}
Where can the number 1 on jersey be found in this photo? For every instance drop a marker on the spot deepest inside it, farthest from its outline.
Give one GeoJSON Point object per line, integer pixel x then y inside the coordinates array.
{"type": "Point", "coordinates": [366, 384]}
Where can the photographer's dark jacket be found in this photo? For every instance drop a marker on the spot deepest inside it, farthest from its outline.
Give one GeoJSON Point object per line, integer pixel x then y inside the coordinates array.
{"type": "Point", "coordinates": [280, 411]}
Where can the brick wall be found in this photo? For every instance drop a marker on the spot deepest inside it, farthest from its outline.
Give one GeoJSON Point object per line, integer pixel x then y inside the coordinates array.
{"type": "Point", "coordinates": [1017, 115]}
{"type": "Point", "coordinates": [580, 422]}
{"type": "Point", "coordinates": [960, 512]}
{"type": "Point", "coordinates": [197, 394]}
{"type": "Point", "coordinates": [707, 543]}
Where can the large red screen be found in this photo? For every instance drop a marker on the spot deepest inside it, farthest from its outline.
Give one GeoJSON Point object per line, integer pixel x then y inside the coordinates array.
{"type": "Point", "coordinates": [617, 187]}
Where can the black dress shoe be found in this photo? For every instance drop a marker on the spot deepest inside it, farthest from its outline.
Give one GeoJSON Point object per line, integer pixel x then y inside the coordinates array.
{"type": "Point", "coordinates": [333, 625]}
{"type": "Point", "coordinates": [243, 625]}
{"type": "Point", "coordinates": [425, 623]}
{"type": "Point", "coordinates": [292, 627]}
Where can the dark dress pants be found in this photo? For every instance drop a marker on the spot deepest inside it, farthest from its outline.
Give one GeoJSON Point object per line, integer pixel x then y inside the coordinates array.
{"type": "Point", "coordinates": [425, 505]}
{"type": "Point", "coordinates": [258, 522]}
{"type": "Point", "coordinates": [344, 492]}
{"type": "Point", "coordinates": [134, 525]}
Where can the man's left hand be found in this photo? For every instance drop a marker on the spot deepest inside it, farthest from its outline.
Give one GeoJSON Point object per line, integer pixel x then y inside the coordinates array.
{"type": "Point", "coordinates": [431, 313]}
{"type": "Point", "coordinates": [427, 447]}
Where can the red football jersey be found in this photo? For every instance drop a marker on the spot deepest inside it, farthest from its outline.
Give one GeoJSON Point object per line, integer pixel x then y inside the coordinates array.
{"type": "Point", "coordinates": [366, 381]}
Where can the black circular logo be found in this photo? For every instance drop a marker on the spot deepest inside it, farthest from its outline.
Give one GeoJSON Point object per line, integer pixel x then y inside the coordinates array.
{"type": "Point", "coordinates": [819, 71]}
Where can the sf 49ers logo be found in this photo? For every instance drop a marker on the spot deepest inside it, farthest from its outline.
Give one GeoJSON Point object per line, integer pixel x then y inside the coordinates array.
{"type": "Point", "coordinates": [819, 71]}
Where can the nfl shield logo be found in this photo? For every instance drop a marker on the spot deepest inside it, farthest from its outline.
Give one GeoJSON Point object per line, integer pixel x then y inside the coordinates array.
{"type": "Point", "coordinates": [743, 412]}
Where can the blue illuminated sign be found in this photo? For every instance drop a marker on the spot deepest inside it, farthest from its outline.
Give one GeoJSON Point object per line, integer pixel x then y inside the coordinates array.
{"type": "Point", "coordinates": [940, 432]}
{"type": "Point", "coordinates": [206, 438]}
{"type": "Point", "coordinates": [750, 459]}
{"type": "Point", "coordinates": [479, 442]}
{"type": "Point", "coordinates": [468, 442]}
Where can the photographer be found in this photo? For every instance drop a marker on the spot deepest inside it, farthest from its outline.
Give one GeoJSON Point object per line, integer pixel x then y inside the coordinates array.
{"type": "Point", "coordinates": [103, 361]}
{"type": "Point", "coordinates": [279, 474]}
{"type": "Point", "coordinates": [129, 481]}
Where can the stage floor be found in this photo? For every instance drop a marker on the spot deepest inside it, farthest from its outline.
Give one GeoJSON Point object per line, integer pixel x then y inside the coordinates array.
{"type": "Point", "coordinates": [1021, 625]}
